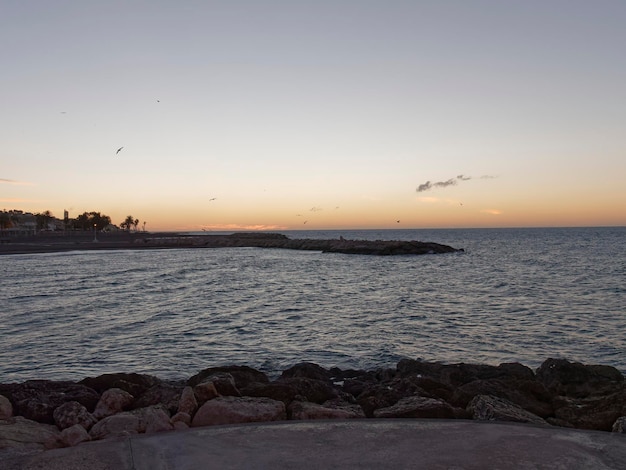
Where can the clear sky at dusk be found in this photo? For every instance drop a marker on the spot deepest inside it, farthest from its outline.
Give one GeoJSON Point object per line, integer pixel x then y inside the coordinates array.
{"type": "Point", "coordinates": [341, 114]}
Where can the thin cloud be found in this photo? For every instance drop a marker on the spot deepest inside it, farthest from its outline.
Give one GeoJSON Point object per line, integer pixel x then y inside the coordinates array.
{"type": "Point", "coordinates": [17, 199]}
{"type": "Point", "coordinates": [428, 185]}
{"type": "Point", "coordinates": [491, 211]}
{"type": "Point", "coordinates": [238, 227]}
{"type": "Point", "coordinates": [15, 182]}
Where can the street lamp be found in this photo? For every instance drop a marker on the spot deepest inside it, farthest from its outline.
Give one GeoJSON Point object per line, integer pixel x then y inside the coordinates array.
{"type": "Point", "coordinates": [95, 237]}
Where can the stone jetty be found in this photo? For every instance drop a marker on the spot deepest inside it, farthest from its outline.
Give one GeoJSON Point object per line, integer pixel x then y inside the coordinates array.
{"type": "Point", "coordinates": [40, 414]}
{"type": "Point", "coordinates": [117, 241]}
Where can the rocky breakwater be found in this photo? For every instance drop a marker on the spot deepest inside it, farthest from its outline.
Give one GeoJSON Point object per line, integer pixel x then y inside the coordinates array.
{"type": "Point", "coordinates": [276, 240]}
{"type": "Point", "coordinates": [39, 414]}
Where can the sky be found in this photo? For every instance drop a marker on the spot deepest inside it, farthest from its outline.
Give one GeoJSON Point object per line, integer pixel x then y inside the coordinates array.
{"type": "Point", "coordinates": [342, 114]}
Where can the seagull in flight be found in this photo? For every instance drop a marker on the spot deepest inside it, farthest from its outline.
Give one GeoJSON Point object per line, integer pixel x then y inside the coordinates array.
{"type": "Point", "coordinates": [118, 150]}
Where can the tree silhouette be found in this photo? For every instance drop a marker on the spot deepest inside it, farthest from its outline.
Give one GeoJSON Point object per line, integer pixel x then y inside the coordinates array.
{"type": "Point", "coordinates": [129, 221]}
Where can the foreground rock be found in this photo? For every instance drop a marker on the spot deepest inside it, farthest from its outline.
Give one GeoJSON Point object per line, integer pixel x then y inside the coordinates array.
{"type": "Point", "coordinates": [45, 414]}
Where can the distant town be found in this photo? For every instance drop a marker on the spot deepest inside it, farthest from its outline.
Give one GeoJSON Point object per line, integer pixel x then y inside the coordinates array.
{"type": "Point", "coordinates": [16, 223]}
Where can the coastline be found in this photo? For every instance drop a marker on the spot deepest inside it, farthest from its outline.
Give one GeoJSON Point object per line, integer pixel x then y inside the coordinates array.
{"type": "Point", "coordinates": [52, 243]}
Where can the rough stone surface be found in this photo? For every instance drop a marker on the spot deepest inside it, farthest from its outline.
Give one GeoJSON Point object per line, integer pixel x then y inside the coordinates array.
{"type": "Point", "coordinates": [595, 412]}
{"type": "Point", "coordinates": [307, 410]}
{"type": "Point", "coordinates": [153, 419]}
{"type": "Point", "coordinates": [135, 384]}
{"type": "Point", "coordinates": [6, 408]}
{"type": "Point", "coordinates": [307, 370]}
{"type": "Point", "coordinates": [163, 393]}
{"type": "Point", "coordinates": [37, 399]}
{"type": "Point", "coordinates": [242, 375]}
{"type": "Point", "coordinates": [24, 435]}
{"type": "Point", "coordinates": [577, 380]}
{"type": "Point", "coordinates": [181, 417]}
{"type": "Point", "coordinates": [113, 400]}
{"type": "Point", "coordinates": [74, 435]}
{"type": "Point", "coordinates": [121, 424]}
{"type": "Point", "coordinates": [188, 403]}
{"type": "Point", "coordinates": [417, 407]}
{"type": "Point", "coordinates": [203, 392]}
{"type": "Point", "coordinates": [232, 410]}
{"type": "Point", "coordinates": [619, 425]}
{"type": "Point", "coordinates": [490, 408]}
{"type": "Point", "coordinates": [72, 413]}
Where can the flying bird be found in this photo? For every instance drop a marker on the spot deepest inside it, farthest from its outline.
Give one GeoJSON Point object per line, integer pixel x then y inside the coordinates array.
{"type": "Point", "coordinates": [118, 150]}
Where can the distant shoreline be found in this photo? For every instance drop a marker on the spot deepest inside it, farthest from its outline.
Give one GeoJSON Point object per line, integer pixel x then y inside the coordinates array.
{"type": "Point", "coordinates": [85, 241]}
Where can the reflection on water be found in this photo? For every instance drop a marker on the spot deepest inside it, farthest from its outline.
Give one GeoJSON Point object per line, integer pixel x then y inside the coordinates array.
{"type": "Point", "coordinates": [514, 295]}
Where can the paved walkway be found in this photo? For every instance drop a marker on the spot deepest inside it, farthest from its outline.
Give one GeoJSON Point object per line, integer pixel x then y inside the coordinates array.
{"type": "Point", "coordinates": [362, 444]}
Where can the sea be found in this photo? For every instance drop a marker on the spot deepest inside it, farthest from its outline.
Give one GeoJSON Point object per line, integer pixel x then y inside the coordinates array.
{"type": "Point", "coordinates": [513, 295]}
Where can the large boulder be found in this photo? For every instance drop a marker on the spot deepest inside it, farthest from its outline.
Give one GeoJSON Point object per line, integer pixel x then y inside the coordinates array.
{"type": "Point", "coordinates": [307, 370]}
{"type": "Point", "coordinates": [112, 401]}
{"type": "Point", "coordinates": [135, 384]}
{"type": "Point", "coordinates": [619, 425]}
{"type": "Point", "coordinates": [418, 407]}
{"type": "Point", "coordinates": [187, 402]}
{"type": "Point", "coordinates": [121, 424]}
{"type": "Point", "coordinates": [458, 374]}
{"type": "Point", "coordinates": [295, 388]}
{"type": "Point", "coordinates": [328, 410]}
{"type": "Point", "coordinates": [528, 394]}
{"type": "Point", "coordinates": [74, 435]}
{"type": "Point", "coordinates": [242, 375]}
{"type": "Point", "coordinates": [6, 408]}
{"type": "Point", "coordinates": [161, 394]}
{"type": "Point", "coordinates": [19, 435]}
{"type": "Point", "coordinates": [577, 380]}
{"type": "Point", "coordinates": [233, 410]}
{"type": "Point", "coordinates": [597, 412]}
{"type": "Point", "coordinates": [72, 413]}
{"type": "Point", "coordinates": [491, 408]}
{"type": "Point", "coordinates": [37, 399]}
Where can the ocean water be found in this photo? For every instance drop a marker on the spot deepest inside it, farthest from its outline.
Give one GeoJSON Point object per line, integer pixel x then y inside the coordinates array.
{"type": "Point", "coordinates": [514, 295]}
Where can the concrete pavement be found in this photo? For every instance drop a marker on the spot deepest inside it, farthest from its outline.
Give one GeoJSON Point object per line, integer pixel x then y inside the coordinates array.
{"type": "Point", "coordinates": [362, 444]}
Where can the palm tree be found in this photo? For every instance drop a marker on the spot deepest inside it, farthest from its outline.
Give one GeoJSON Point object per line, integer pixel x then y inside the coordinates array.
{"type": "Point", "coordinates": [128, 222]}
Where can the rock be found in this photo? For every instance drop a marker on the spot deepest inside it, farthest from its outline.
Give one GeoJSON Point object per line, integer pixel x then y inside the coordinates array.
{"type": "Point", "coordinates": [203, 392]}
{"type": "Point", "coordinates": [6, 408]}
{"type": "Point", "coordinates": [224, 384]}
{"type": "Point", "coordinates": [160, 394]}
{"type": "Point", "coordinates": [386, 394]}
{"type": "Point", "coordinates": [577, 380]}
{"type": "Point", "coordinates": [74, 435]}
{"type": "Point", "coordinates": [72, 413]}
{"type": "Point", "coordinates": [112, 401]}
{"type": "Point", "coordinates": [121, 424]}
{"type": "Point", "coordinates": [307, 370]}
{"type": "Point", "coordinates": [181, 417]}
{"type": "Point", "coordinates": [135, 384]}
{"type": "Point", "coordinates": [528, 394]}
{"type": "Point", "coordinates": [233, 410]}
{"type": "Point", "coordinates": [619, 425]}
{"type": "Point", "coordinates": [153, 419]}
{"type": "Point", "coordinates": [242, 375]}
{"type": "Point", "coordinates": [188, 403]}
{"type": "Point", "coordinates": [19, 435]}
{"type": "Point", "coordinates": [417, 407]}
{"type": "Point", "coordinates": [307, 410]}
{"type": "Point", "coordinates": [597, 412]}
{"type": "Point", "coordinates": [456, 375]}
{"type": "Point", "coordinates": [289, 389]}
{"type": "Point", "coordinates": [490, 408]}
{"type": "Point", "coordinates": [37, 399]}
